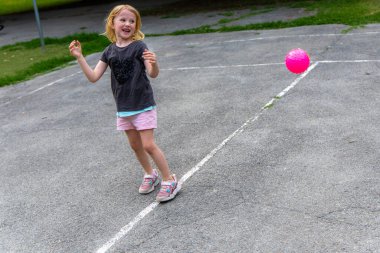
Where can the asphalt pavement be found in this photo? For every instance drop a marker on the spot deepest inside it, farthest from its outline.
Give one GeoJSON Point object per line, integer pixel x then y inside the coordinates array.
{"type": "Point", "coordinates": [301, 175]}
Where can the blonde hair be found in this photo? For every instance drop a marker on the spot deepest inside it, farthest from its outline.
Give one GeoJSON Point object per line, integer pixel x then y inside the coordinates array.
{"type": "Point", "coordinates": [110, 32]}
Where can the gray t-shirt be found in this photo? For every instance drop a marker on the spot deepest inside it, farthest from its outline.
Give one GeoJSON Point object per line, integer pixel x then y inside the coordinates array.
{"type": "Point", "coordinates": [130, 86]}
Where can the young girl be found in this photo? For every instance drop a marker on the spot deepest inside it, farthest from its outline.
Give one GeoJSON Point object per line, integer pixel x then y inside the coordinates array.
{"type": "Point", "coordinates": [130, 61]}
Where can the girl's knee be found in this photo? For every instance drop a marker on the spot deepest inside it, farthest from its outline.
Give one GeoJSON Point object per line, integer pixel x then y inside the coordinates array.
{"type": "Point", "coordinates": [135, 145]}
{"type": "Point", "coordinates": [150, 147]}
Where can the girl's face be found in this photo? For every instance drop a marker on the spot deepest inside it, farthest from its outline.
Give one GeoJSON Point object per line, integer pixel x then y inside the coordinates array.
{"type": "Point", "coordinates": [124, 25]}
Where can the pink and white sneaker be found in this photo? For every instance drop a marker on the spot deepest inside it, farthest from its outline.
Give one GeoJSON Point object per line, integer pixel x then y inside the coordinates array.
{"type": "Point", "coordinates": [169, 190]}
{"type": "Point", "coordinates": [149, 182]}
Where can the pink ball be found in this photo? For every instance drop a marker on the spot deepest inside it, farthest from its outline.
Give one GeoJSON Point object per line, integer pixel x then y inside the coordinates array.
{"type": "Point", "coordinates": [297, 61]}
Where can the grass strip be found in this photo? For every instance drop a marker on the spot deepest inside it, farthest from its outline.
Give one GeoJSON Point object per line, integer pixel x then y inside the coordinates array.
{"type": "Point", "coordinates": [24, 60]}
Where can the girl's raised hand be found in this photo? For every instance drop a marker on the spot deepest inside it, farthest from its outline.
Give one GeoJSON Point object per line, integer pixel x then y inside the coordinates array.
{"type": "Point", "coordinates": [149, 56]}
{"type": "Point", "coordinates": [75, 48]}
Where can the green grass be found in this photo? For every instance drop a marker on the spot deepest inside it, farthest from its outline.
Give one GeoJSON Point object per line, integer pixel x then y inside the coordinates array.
{"type": "Point", "coordinates": [16, 6]}
{"type": "Point", "coordinates": [23, 61]}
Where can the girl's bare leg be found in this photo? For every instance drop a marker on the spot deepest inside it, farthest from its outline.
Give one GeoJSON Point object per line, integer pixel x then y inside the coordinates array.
{"type": "Point", "coordinates": [137, 146]}
{"type": "Point", "coordinates": [150, 147]}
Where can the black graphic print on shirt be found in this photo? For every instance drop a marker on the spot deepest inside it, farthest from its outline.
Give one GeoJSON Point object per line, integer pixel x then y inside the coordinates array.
{"type": "Point", "coordinates": [123, 70]}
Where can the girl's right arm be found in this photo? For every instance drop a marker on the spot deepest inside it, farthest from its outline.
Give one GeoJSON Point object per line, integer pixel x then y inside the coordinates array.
{"type": "Point", "coordinates": [92, 75]}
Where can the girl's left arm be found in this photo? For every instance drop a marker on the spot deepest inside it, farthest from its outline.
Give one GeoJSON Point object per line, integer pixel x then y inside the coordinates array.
{"type": "Point", "coordinates": [150, 62]}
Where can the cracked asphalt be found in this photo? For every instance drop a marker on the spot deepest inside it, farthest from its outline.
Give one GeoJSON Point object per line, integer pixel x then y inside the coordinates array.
{"type": "Point", "coordinates": [303, 176]}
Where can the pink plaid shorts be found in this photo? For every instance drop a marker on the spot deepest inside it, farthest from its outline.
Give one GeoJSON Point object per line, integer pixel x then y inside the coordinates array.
{"type": "Point", "coordinates": [142, 121]}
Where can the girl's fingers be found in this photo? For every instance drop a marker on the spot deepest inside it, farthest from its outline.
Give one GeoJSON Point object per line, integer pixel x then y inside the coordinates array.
{"type": "Point", "coordinates": [151, 60]}
{"type": "Point", "coordinates": [72, 48]}
{"type": "Point", "coordinates": [75, 43]}
{"type": "Point", "coordinates": [149, 56]}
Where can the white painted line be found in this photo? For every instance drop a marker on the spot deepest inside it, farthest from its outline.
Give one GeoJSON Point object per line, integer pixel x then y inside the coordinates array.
{"type": "Point", "coordinates": [350, 61]}
{"type": "Point", "coordinates": [281, 37]}
{"type": "Point", "coordinates": [224, 66]}
{"type": "Point", "coordinates": [219, 147]}
{"type": "Point", "coordinates": [291, 86]}
{"type": "Point", "coordinates": [301, 36]}
{"type": "Point", "coordinates": [39, 89]}
{"type": "Point", "coordinates": [263, 64]}
{"type": "Point", "coordinates": [124, 231]}
{"type": "Point", "coordinates": [49, 84]}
